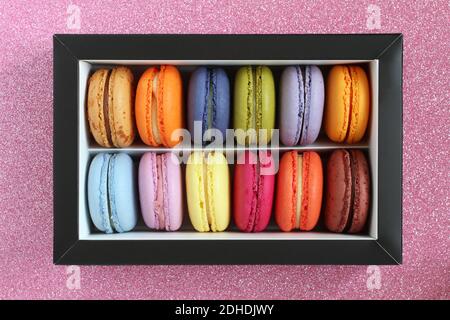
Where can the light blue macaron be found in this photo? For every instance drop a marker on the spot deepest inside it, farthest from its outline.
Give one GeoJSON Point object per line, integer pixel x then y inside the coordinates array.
{"type": "Point", "coordinates": [112, 192]}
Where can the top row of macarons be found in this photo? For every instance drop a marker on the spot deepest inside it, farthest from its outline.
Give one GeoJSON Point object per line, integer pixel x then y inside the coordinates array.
{"type": "Point", "coordinates": [115, 107]}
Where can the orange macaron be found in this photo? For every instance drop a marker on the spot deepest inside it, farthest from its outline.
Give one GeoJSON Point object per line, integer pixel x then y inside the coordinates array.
{"type": "Point", "coordinates": [158, 106]}
{"type": "Point", "coordinates": [347, 103]}
{"type": "Point", "coordinates": [299, 191]}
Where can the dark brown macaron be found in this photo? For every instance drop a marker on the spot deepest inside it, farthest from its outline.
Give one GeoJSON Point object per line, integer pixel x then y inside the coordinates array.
{"type": "Point", "coordinates": [347, 191]}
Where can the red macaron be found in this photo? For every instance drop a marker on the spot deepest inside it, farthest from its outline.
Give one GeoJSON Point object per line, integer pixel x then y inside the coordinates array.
{"type": "Point", "coordinates": [347, 191]}
{"type": "Point", "coordinates": [254, 180]}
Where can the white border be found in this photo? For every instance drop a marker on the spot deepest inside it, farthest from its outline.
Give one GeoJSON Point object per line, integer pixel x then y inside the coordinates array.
{"type": "Point", "coordinates": [87, 232]}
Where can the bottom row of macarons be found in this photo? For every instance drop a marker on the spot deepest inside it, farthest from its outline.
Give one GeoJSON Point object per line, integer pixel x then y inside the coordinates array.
{"type": "Point", "coordinates": [298, 193]}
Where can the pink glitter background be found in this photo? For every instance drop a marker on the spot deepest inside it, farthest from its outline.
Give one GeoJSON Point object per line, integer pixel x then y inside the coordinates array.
{"type": "Point", "coordinates": [26, 228]}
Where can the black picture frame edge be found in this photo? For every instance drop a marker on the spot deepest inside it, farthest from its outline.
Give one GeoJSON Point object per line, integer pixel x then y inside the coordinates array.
{"type": "Point", "coordinates": [390, 182]}
{"type": "Point", "coordinates": [65, 150]}
{"type": "Point", "coordinates": [68, 249]}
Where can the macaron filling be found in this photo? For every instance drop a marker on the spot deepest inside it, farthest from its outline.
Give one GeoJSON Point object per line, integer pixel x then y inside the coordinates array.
{"type": "Point", "coordinates": [209, 112]}
{"type": "Point", "coordinates": [164, 159]}
{"type": "Point", "coordinates": [350, 109]}
{"type": "Point", "coordinates": [250, 121]}
{"type": "Point", "coordinates": [254, 99]}
{"type": "Point", "coordinates": [306, 72]}
{"type": "Point", "coordinates": [253, 219]}
{"type": "Point", "coordinates": [257, 82]}
{"type": "Point", "coordinates": [160, 191]}
{"type": "Point", "coordinates": [301, 107]}
{"type": "Point", "coordinates": [111, 195]}
{"type": "Point", "coordinates": [353, 172]}
{"type": "Point", "coordinates": [304, 100]}
{"type": "Point", "coordinates": [299, 192]}
{"type": "Point", "coordinates": [153, 100]}
{"type": "Point", "coordinates": [208, 196]}
{"type": "Point", "coordinates": [106, 108]}
{"type": "Point", "coordinates": [104, 194]}
{"type": "Point", "coordinates": [159, 200]}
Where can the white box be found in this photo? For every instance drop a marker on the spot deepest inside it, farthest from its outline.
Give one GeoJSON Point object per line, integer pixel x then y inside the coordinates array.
{"type": "Point", "coordinates": [87, 149]}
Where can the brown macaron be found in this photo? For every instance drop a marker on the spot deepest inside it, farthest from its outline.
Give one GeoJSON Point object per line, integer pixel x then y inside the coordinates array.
{"type": "Point", "coordinates": [110, 107]}
{"type": "Point", "coordinates": [347, 191]}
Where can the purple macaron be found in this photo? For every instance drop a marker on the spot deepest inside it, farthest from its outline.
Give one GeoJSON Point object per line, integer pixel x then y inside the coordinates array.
{"type": "Point", "coordinates": [301, 106]}
{"type": "Point", "coordinates": [160, 191]}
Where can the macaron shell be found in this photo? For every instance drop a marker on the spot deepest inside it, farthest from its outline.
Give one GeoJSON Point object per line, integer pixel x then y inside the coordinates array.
{"type": "Point", "coordinates": [144, 94]}
{"type": "Point", "coordinates": [338, 191]}
{"type": "Point", "coordinates": [96, 86]}
{"type": "Point", "coordinates": [253, 193]}
{"type": "Point", "coordinates": [244, 191]}
{"type": "Point", "coordinates": [362, 191]}
{"type": "Point", "coordinates": [222, 112]}
{"type": "Point", "coordinates": [174, 214]}
{"type": "Point", "coordinates": [268, 104]}
{"type": "Point", "coordinates": [97, 192]}
{"type": "Point", "coordinates": [338, 99]}
{"type": "Point", "coordinates": [317, 98]}
{"type": "Point", "coordinates": [291, 106]}
{"type": "Point", "coordinates": [120, 104]}
{"type": "Point", "coordinates": [197, 93]}
{"type": "Point", "coordinates": [147, 179]}
{"type": "Point", "coordinates": [312, 190]}
{"type": "Point", "coordinates": [218, 191]}
{"type": "Point", "coordinates": [360, 104]}
{"type": "Point", "coordinates": [265, 192]}
{"type": "Point", "coordinates": [121, 190]}
{"type": "Point", "coordinates": [241, 108]}
{"type": "Point", "coordinates": [195, 192]}
{"type": "Point", "coordinates": [286, 193]}
{"type": "Point", "coordinates": [170, 104]}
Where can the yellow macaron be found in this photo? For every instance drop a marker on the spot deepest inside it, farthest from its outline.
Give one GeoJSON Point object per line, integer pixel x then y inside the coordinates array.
{"type": "Point", "coordinates": [347, 103]}
{"type": "Point", "coordinates": [208, 191]}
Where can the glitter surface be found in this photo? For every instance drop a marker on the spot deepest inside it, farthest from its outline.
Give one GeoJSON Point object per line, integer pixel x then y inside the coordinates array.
{"type": "Point", "coordinates": [26, 227]}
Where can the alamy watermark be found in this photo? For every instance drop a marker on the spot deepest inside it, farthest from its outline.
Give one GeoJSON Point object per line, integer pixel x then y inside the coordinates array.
{"type": "Point", "coordinates": [263, 142]}
{"type": "Point", "coordinates": [73, 17]}
{"type": "Point", "coordinates": [373, 281]}
{"type": "Point", "coordinates": [373, 21]}
{"type": "Point", "coordinates": [73, 281]}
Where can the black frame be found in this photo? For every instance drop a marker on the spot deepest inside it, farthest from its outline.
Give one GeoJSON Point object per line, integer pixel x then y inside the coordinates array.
{"type": "Point", "coordinates": [69, 49]}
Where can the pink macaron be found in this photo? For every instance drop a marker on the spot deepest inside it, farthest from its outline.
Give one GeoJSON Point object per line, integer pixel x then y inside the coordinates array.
{"type": "Point", "coordinates": [160, 191]}
{"type": "Point", "coordinates": [254, 180]}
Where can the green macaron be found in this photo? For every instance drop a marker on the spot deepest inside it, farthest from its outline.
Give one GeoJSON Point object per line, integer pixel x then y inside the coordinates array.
{"type": "Point", "coordinates": [254, 103]}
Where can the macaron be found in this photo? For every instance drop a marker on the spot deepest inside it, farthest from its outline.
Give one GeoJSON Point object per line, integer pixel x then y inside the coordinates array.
{"type": "Point", "coordinates": [254, 104]}
{"type": "Point", "coordinates": [111, 192]}
{"type": "Point", "coordinates": [299, 191]}
{"type": "Point", "coordinates": [110, 111]}
{"type": "Point", "coordinates": [347, 103]}
{"type": "Point", "coordinates": [254, 181]}
{"type": "Point", "coordinates": [302, 97]}
{"type": "Point", "coordinates": [347, 191]}
{"type": "Point", "coordinates": [160, 191]}
{"type": "Point", "coordinates": [208, 191]}
{"type": "Point", "coordinates": [159, 106]}
{"type": "Point", "coordinates": [208, 102]}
